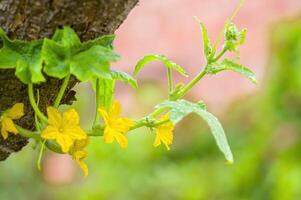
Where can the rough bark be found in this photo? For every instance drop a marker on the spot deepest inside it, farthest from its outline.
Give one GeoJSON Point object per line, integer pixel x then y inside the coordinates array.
{"type": "Point", "coordinates": [34, 19]}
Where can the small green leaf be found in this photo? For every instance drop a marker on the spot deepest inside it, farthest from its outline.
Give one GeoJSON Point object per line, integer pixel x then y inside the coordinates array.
{"type": "Point", "coordinates": [168, 63]}
{"type": "Point", "coordinates": [206, 42]}
{"type": "Point", "coordinates": [230, 65]}
{"type": "Point", "coordinates": [66, 37]}
{"type": "Point", "coordinates": [181, 108]}
{"type": "Point", "coordinates": [106, 41]}
{"type": "Point", "coordinates": [24, 56]}
{"type": "Point", "coordinates": [122, 76]}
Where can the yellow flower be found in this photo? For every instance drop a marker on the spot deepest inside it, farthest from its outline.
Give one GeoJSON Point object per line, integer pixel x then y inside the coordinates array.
{"type": "Point", "coordinates": [79, 153]}
{"type": "Point", "coordinates": [164, 133]}
{"type": "Point", "coordinates": [116, 127]}
{"type": "Point", "coordinates": [64, 128]}
{"type": "Point", "coordinates": [7, 124]}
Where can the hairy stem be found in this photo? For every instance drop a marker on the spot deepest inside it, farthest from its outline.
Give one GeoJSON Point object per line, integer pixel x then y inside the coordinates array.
{"type": "Point", "coordinates": [192, 83]}
{"type": "Point", "coordinates": [26, 133]}
{"type": "Point", "coordinates": [170, 81]}
{"type": "Point", "coordinates": [97, 103]}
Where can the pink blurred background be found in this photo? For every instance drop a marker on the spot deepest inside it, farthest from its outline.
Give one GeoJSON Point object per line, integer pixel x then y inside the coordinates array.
{"type": "Point", "coordinates": [168, 27]}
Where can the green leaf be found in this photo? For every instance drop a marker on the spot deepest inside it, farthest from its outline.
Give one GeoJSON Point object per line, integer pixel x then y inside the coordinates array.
{"type": "Point", "coordinates": [206, 42]}
{"type": "Point", "coordinates": [230, 65]}
{"type": "Point", "coordinates": [181, 108]}
{"type": "Point", "coordinates": [106, 41]}
{"type": "Point", "coordinates": [65, 54]}
{"type": "Point", "coordinates": [150, 58]}
{"type": "Point", "coordinates": [66, 37]}
{"type": "Point", "coordinates": [56, 58]}
{"type": "Point", "coordinates": [24, 56]}
{"type": "Point", "coordinates": [92, 62]}
{"type": "Point", "coordinates": [122, 76]}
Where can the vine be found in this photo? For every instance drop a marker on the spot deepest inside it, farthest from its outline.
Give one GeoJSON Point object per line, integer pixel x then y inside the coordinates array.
{"type": "Point", "coordinates": [64, 55]}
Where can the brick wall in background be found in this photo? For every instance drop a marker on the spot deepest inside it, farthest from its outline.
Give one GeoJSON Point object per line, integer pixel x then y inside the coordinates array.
{"type": "Point", "coordinates": [167, 27]}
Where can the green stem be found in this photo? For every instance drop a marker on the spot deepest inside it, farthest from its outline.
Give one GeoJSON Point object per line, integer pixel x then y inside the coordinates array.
{"type": "Point", "coordinates": [61, 92]}
{"type": "Point", "coordinates": [139, 124]}
{"type": "Point", "coordinates": [156, 112]}
{"type": "Point", "coordinates": [26, 133]}
{"type": "Point", "coordinates": [97, 103]}
{"type": "Point", "coordinates": [160, 123]}
{"type": "Point", "coordinates": [191, 83]}
{"type": "Point", "coordinates": [34, 105]}
{"type": "Point", "coordinates": [220, 55]}
{"type": "Point", "coordinates": [170, 81]}
{"type": "Point", "coordinates": [41, 155]}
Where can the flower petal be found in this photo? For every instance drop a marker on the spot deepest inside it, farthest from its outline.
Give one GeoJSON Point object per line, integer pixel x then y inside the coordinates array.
{"type": "Point", "coordinates": [115, 110]}
{"type": "Point", "coordinates": [76, 133]}
{"type": "Point", "coordinates": [81, 144]}
{"type": "Point", "coordinates": [65, 142]}
{"type": "Point", "coordinates": [122, 140]}
{"type": "Point", "coordinates": [8, 125]}
{"type": "Point", "coordinates": [108, 135]}
{"type": "Point", "coordinates": [157, 141]}
{"type": "Point", "coordinates": [50, 132]}
{"type": "Point", "coordinates": [54, 117]}
{"type": "Point", "coordinates": [70, 118]}
{"type": "Point", "coordinates": [16, 112]}
{"type": "Point", "coordinates": [4, 133]}
{"type": "Point", "coordinates": [104, 114]}
{"type": "Point", "coordinates": [83, 166]}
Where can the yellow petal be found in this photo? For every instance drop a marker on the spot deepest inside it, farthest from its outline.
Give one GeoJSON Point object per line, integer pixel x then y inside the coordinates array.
{"type": "Point", "coordinates": [123, 125]}
{"type": "Point", "coordinates": [16, 112]}
{"type": "Point", "coordinates": [4, 133]}
{"type": "Point", "coordinates": [157, 141]}
{"type": "Point", "coordinates": [76, 133]}
{"type": "Point", "coordinates": [54, 117]}
{"type": "Point", "coordinates": [81, 144]}
{"type": "Point", "coordinates": [108, 135]}
{"type": "Point", "coordinates": [122, 140]}
{"type": "Point", "coordinates": [164, 133]}
{"type": "Point", "coordinates": [70, 118]}
{"type": "Point", "coordinates": [65, 142]}
{"type": "Point", "coordinates": [104, 115]}
{"type": "Point", "coordinates": [84, 167]}
{"type": "Point", "coordinates": [115, 109]}
{"type": "Point", "coordinates": [8, 125]}
{"type": "Point", "coordinates": [50, 132]}
{"type": "Point", "coordinates": [79, 156]}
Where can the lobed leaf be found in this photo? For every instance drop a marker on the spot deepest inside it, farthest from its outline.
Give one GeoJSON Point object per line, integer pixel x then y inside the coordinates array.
{"type": "Point", "coordinates": [181, 108]}
{"type": "Point", "coordinates": [24, 56]}
{"type": "Point", "coordinates": [150, 58]}
{"type": "Point", "coordinates": [65, 54]}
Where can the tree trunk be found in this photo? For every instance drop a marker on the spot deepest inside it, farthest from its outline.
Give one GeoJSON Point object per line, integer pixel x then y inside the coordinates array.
{"type": "Point", "coordinates": [34, 19]}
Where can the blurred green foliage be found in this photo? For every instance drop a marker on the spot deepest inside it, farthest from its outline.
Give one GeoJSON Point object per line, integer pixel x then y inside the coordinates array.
{"type": "Point", "coordinates": [263, 131]}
